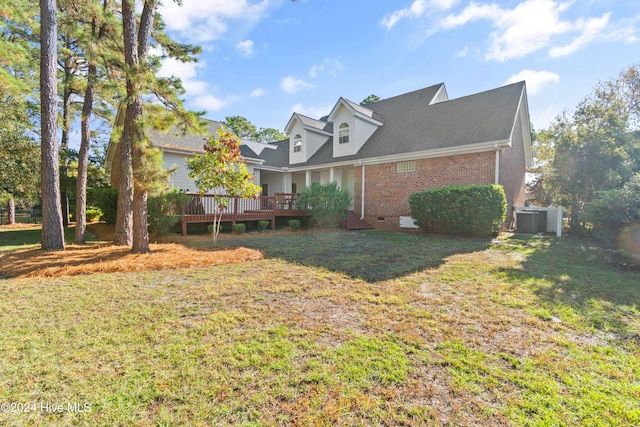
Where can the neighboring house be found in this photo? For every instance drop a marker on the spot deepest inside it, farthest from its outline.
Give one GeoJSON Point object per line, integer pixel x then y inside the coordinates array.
{"type": "Point", "coordinates": [384, 151]}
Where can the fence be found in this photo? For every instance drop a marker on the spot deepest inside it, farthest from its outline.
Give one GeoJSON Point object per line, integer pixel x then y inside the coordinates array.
{"type": "Point", "coordinates": [24, 216]}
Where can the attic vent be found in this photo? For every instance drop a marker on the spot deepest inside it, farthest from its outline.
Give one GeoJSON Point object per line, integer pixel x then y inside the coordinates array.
{"type": "Point", "coordinates": [406, 167]}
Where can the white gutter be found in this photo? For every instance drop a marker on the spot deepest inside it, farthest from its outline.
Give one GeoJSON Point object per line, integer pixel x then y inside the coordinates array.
{"type": "Point", "coordinates": [497, 178]}
{"type": "Point", "coordinates": [362, 196]}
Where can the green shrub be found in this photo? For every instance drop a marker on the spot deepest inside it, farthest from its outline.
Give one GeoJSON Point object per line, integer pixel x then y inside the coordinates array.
{"type": "Point", "coordinates": [328, 204]}
{"type": "Point", "coordinates": [262, 225]}
{"type": "Point", "coordinates": [460, 209]}
{"type": "Point", "coordinates": [294, 224]}
{"type": "Point", "coordinates": [239, 228]}
{"type": "Point", "coordinates": [608, 215]}
{"type": "Point", "coordinates": [164, 211]}
{"type": "Point", "coordinates": [93, 214]}
{"type": "Point", "coordinates": [105, 199]}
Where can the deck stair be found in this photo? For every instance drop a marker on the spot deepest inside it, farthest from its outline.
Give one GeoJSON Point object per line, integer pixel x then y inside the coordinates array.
{"type": "Point", "coordinates": [354, 222]}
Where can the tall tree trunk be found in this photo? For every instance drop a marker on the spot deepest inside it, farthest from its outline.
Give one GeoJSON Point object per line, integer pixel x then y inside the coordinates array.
{"type": "Point", "coordinates": [52, 229]}
{"type": "Point", "coordinates": [124, 216]}
{"type": "Point", "coordinates": [83, 158]}
{"type": "Point", "coordinates": [135, 51]}
{"type": "Point", "coordinates": [11, 211]}
{"type": "Point", "coordinates": [64, 145]}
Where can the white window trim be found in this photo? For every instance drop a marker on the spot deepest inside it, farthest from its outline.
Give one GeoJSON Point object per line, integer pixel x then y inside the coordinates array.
{"type": "Point", "coordinates": [408, 166]}
{"type": "Point", "coordinates": [343, 132]}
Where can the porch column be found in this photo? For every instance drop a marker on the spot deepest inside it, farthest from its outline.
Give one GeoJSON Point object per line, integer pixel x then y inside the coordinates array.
{"type": "Point", "coordinates": [287, 179]}
{"type": "Point", "coordinates": [332, 175]}
{"type": "Point", "coordinates": [307, 179]}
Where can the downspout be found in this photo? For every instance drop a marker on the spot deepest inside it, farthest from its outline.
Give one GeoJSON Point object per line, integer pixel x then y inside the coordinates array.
{"type": "Point", "coordinates": [362, 196]}
{"type": "Point", "coordinates": [497, 177]}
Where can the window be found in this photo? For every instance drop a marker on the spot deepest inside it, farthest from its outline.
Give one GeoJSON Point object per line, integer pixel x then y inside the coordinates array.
{"type": "Point", "coordinates": [343, 133]}
{"type": "Point", "coordinates": [297, 143]}
{"type": "Point", "coordinates": [406, 167]}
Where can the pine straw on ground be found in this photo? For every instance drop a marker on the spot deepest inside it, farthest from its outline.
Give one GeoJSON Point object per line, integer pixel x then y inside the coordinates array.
{"type": "Point", "coordinates": [107, 258]}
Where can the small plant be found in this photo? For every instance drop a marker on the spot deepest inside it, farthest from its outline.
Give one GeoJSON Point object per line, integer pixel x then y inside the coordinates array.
{"type": "Point", "coordinates": [294, 224]}
{"type": "Point", "coordinates": [328, 204]}
{"type": "Point", "coordinates": [239, 228]}
{"type": "Point", "coordinates": [164, 211]}
{"type": "Point", "coordinates": [262, 225]}
{"type": "Point", "coordinates": [93, 214]}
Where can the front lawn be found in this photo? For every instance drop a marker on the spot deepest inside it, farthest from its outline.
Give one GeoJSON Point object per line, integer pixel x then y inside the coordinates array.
{"type": "Point", "coordinates": [367, 328]}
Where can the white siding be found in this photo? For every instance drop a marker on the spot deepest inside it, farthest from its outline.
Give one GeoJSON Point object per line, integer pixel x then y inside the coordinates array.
{"type": "Point", "coordinates": [344, 116]}
{"type": "Point", "coordinates": [359, 132]}
{"type": "Point", "coordinates": [311, 142]}
{"type": "Point", "coordinates": [179, 178]}
{"type": "Point", "coordinates": [363, 131]}
{"type": "Point", "coordinates": [300, 156]}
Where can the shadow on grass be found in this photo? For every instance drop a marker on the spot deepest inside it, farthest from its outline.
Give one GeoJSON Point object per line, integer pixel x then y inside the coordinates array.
{"type": "Point", "coordinates": [575, 282]}
{"type": "Point", "coordinates": [23, 238]}
{"type": "Point", "coordinates": [370, 255]}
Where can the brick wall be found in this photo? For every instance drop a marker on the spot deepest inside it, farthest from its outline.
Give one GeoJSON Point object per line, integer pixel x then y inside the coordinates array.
{"type": "Point", "coordinates": [387, 191]}
{"type": "Point", "coordinates": [512, 172]}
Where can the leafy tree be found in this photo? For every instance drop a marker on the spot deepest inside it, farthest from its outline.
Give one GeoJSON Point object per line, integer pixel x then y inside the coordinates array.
{"type": "Point", "coordinates": [19, 153]}
{"type": "Point", "coordinates": [240, 126]}
{"type": "Point", "coordinates": [52, 230]}
{"type": "Point", "coordinates": [370, 99]}
{"type": "Point", "coordinates": [328, 204]}
{"type": "Point", "coordinates": [268, 135]}
{"type": "Point", "coordinates": [222, 170]}
{"type": "Point", "coordinates": [591, 151]}
{"type": "Point", "coordinates": [244, 129]}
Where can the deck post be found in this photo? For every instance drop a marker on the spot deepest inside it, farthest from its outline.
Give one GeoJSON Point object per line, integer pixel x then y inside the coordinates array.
{"type": "Point", "coordinates": [183, 220]}
{"type": "Point", "coordinates": [235, 209]}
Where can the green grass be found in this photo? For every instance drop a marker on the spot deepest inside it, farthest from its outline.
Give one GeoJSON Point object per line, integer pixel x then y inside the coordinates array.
{"type": "Point", "coordinates": [26, 238]}
{"type": "Point", "coordinates": [430, 331]}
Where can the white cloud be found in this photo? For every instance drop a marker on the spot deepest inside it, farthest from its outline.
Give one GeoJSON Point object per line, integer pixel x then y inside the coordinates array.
{"type": "Point", "coordinates": [591, 28]}
{"type": "Point", "coordinates": [416, 10]}
{"type": "Point", "coordinates": [209, 103]}
{"type": "Point", "coordinates": [291, 84]}
{"type": "Point", "coordinates": [535, 80]}
{"type": "Point", "coordinates": [245, 48]}
{"type": "Point", "coordinates": [258, 92]}
{"type": "Point", "coordinates": [313, 112]}
{"type": "Point", "coordinates": [530, 26]}
{"type": "Point", "coordinates": [330, 65]}
{"type": "Point", "coordinates": [187, 72]}
{"type": "Point", "coordinates": [203, 21]}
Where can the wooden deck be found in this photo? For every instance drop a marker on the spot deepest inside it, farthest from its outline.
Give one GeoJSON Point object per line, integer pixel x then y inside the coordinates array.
{"type": "Point", "coordinates": [263, 208]}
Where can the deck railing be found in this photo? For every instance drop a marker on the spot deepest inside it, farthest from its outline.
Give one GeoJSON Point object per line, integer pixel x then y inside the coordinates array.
{"type": "Point", "coordinates": [201, 208]}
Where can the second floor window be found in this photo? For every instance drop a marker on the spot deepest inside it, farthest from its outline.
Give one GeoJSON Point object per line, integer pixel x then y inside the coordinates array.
{"type": "Point", "coordinates": [343, 133]}
{"type": "Point", "coordinates": [297, 143]}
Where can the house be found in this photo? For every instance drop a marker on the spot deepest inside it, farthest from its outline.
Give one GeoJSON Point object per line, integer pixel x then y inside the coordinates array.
{"type": "Point", "coordinates": [384, 151]}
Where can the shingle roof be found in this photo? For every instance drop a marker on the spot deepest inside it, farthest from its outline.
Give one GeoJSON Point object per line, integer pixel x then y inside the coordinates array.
{"type": "Point", "coordinates": [413, 124]}
{"type": "Point", "coordinates": [174, 139]}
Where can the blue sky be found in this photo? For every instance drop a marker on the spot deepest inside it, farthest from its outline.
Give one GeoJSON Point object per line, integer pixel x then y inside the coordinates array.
{"type": "Point", "coordinates": [266, 59]}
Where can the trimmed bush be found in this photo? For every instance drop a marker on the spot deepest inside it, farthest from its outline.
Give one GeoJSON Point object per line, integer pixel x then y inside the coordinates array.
{"type": "Point", "coordinates": [93, 214]}
{"type": "Point", "coordinates": [294, 224]}
{"type": "Point", "coordinates": [460, 209]}
{"type": "Point", "coordinates": [328, 204]}
{"type": "Point", "coordinates": [164, 211]}
{"type": "Point", "coordinates": [239, 228]}
{"type": "Point", "coordinates": [262, 225]}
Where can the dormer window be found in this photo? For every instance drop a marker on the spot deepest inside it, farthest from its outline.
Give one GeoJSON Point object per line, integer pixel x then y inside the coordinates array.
{"type": "Point", "coordinates": [344, 133]}
{"type": "Point", "coordinates": [297, 143]}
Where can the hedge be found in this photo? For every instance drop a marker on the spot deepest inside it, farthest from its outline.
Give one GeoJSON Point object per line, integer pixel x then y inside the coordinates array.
{"type": "Point", "coordinates": [460, 209]}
